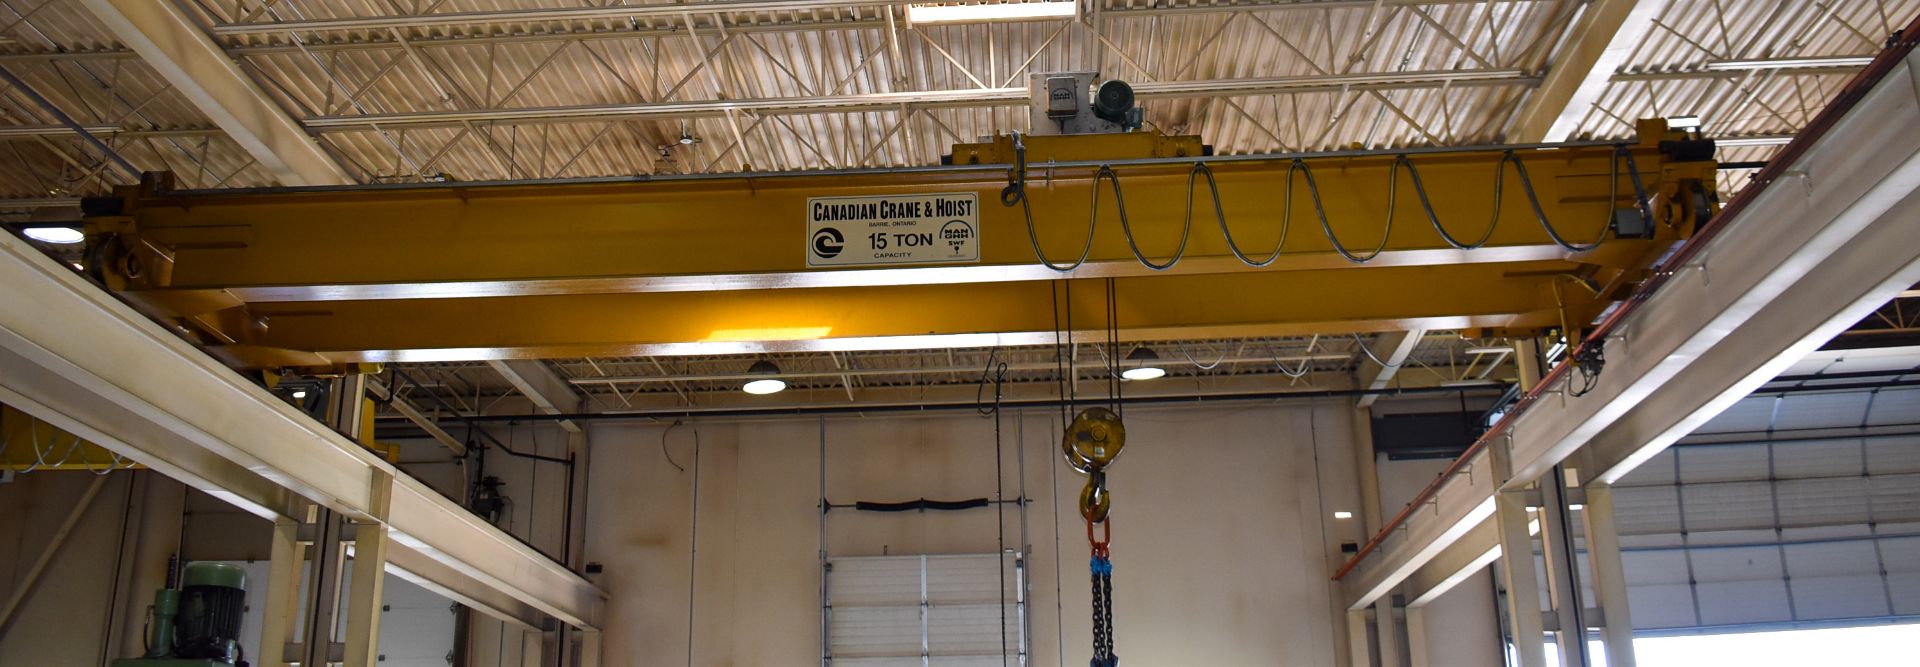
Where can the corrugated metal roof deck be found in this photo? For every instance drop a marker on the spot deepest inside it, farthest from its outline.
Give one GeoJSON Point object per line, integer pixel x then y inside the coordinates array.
{"type": "Point", "coordinates": [394, 59]}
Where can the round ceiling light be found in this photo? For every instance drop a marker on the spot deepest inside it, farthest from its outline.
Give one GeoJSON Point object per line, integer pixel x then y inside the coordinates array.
{"type": "Point", "coordinates": [771, 384]}
{"type": "Point", "coordinates": [1143, 364]}
{"type": "Point", "coordinates": [59, 235]}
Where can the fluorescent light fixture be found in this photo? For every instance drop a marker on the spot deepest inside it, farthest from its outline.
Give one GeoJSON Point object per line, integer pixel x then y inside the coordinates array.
{"type": "Point", "coordinates": [1342, 514]}
{"type": "Point", "coordinates": [299, 394]}
{"type": "Point", "coordinates": [993, 11]}
{"type": "Point", "coordinates": [1789, 63]}
{"type": "Point", "coordinates": [765, 385]}
{"type": "Point", "coordinates": [1490, 349]}
{"type": "Point", "coordinates": [1732, 142]}
{"type": "Point", "coordinates": [1576, 507]}
{"type": "Point", "coordinates": [769, 333]}
{"type": "Point", "coordinates": [1687, 122]}
{"type": "Point", "coordinates": [1144, 365]}
{"type": "Point", "coordinates": [60, 235]}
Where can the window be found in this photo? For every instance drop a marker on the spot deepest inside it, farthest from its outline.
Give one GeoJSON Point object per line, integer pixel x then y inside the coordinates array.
{"type": "Point", "coordinates": [1865, 646]}
{"type": "Point", "coordinates": [957, 610]}
{"type": "Point", "coordinates": [1860, 646]}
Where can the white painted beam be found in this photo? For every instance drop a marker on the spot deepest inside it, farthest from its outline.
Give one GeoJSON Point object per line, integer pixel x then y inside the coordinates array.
{"type": "Point", "coordinates": [1457, 510]}
{"type": "Point", "coordinates": [1476, 550]}
{"type": "Point", "coordinates": [413, 414]}
{"type": "Point", "coordinates": [1805, 258]}
{"type": "Point", "coordinates": [552, 394]}
{"type": "Point", "coordinates": [649, 12]}
{"type": "Point", "coordinates": [169, 40]}
{"type": "Point", "coordinates": [452, 584]}
{"type": "Point", "coordinates": [1388, 354]}
{"type": "Point", "coordinates": [1599, 42]}
{"type": "Point", "coordinates": [892, 101]}
{"type": "Point", "coordinates": [77, 357]}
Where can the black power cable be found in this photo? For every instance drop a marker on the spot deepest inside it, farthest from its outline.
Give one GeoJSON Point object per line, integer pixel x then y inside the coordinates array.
{"type": "Point", "coordinates": [1015, 194]}
{"type": "Point", "coordinates": [1286, 215]}
{"type": "Point", "coordinates": [1613, 195]}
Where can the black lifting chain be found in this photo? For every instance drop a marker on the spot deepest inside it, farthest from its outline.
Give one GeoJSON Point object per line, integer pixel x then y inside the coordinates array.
{"type": "Point", "coordinates": [1101, 568]}
{"type": "Point", "coordinates": [1103, 655]}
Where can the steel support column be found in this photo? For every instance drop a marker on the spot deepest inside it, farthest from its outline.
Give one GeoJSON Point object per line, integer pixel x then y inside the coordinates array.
{"type": "Point", "coordinates": [284, 572]}
{"type": "Point", "coordinates": [1367, 464]}
{"type": "Point", "coordinates": [589, 648]}
{"type": "Point", "coordinates": [1517, 525]}
{"type": "Point", "coordinates": [1563, 571]}
{"type": "Point", "coordinates": [1608, 574]}
{"type": "Point", "coordinates": [322, 602]}
{"type": "Point", "coordinates": [1387, 629]}
{"type": "Point", "coordinates": [345, 411]}
{"type": "Point", "coordinates": [1526, 363]}
{"type": "Point", "coordinates": [1525, 628]}
{"type": "Point", "coordinates": [1418, 653]}
{"type": "Point", "coordinates": [366, 599]}
{"type": "Point", "coordinates": [531, 643]}
{"type": "Point", "coordinates": [1360, 651]}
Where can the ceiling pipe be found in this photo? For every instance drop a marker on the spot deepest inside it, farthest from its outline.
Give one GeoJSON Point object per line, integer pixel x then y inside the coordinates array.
{"type": "Point", "coordinates": [126, 168]}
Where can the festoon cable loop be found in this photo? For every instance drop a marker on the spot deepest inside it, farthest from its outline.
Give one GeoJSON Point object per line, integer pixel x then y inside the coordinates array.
{"type": "Point", "coordinates": [1313, 188]}
{"type": "Point", "coordinates": [1016, 194]}
{"type": "Point", "coordinates": [1126, 228]}
{"type": "Point", "coordinates": [1499, 188]}
{"type": "Point", "coordinates": [1613, 194]}
{"type": "Point", "coordinates": [1286, 219]}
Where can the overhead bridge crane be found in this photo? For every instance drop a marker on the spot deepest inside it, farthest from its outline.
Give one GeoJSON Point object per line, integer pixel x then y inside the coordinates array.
{"type": "Point", "coordinates": [715, 264]}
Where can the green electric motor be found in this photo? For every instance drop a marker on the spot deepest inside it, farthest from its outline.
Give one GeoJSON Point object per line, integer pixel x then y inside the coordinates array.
{"type": "Point", "coordinates": [197, 623]}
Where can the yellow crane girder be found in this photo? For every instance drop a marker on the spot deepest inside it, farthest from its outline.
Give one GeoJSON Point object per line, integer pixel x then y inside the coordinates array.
{"type": "Point", "coordinates": [714, 264]}
{"type": "Point", "coordinates": [29, 444]}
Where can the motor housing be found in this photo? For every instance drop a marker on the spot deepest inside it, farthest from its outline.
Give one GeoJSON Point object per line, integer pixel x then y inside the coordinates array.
{"type": "Point", "coordinates": [212, 603]}
{"type": "Point", "coordinates": [1069, 103]}
{"type": "Point", "coordinates": [195, 619]}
